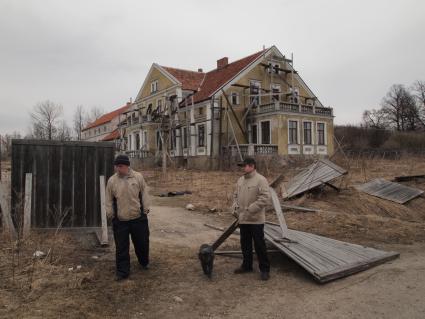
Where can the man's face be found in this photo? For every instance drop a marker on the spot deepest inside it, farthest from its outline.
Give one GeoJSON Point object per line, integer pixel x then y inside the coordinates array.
{"type": "Point", "coordinates": [248, 168]}
{"type": "Point", "coordinates": [122, 169]}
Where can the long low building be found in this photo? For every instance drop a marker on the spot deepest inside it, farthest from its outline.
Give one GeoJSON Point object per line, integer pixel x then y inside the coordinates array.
{"type": "Point", "coordinates": [105, 128]}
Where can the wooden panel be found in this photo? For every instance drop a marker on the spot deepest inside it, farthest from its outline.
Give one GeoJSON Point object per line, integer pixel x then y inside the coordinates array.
{"type": "Point", "coordinates": [388, 190]}
{"type": "Point", "coordinates": [324, 258]}
{"type": "Point", "coordinates": [318, 173]}
{"type": "Point", "coordinates": [65, 178]}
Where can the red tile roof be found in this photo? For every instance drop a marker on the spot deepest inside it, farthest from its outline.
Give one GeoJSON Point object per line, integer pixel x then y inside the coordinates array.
{"type": "Point", "coordinates": [114, 135]}
{"type": "Point", "coordinates": [107, 117]}
{"type": "Point", "coordinates": [190, 80]}
{"type": "Point", "coordinates": [216, 78]}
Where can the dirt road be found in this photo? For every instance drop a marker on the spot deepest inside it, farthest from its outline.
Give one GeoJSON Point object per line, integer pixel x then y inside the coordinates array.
{"type": "Point", "coordinates": [175, 288]}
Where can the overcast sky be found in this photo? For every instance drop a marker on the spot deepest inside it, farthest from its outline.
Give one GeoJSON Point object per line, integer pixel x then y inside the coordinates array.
{"type": "Point", "coordinates": [97, 53]}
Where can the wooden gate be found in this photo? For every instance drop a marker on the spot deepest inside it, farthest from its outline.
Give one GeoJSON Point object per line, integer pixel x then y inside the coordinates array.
{"type": "Point", "coordinates": [65, 181]}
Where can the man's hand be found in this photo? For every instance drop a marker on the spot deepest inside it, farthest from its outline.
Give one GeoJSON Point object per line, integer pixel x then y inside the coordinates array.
{"type": "Point", "coordinates": [235, 211]}
{"type": "Point", "coordinates": [147, 211]}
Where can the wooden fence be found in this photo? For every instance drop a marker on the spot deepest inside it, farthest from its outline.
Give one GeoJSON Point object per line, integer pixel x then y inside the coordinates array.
{"type": "Point", "coordinates": [65, 181]}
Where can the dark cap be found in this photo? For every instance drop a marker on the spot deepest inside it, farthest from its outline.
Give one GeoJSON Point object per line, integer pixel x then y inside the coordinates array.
{"type": "Point", "coordinates": [248, 161]}
{"type": "Point", "coordinates": [122, 159]}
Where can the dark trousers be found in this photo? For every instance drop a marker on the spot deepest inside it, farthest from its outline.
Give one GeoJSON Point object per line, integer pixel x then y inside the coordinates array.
{"type": "Point", "coordinates": [138, 229]}
{"type": "Point", "coordinates": [249, 233]}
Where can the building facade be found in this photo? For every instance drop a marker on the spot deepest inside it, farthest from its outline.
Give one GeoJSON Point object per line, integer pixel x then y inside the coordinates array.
{"type": "Point", "coordinates": [255, 106]}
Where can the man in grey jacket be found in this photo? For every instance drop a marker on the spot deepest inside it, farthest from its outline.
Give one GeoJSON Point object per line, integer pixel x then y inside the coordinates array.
{"type": "Point", "coordinates": [251, 197]}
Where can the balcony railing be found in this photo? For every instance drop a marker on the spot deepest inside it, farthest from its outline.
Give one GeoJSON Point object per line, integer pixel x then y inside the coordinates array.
{"type": "Point", "coordinates": [293, 108]}
{"type": "Point", "coordinates": [250, 150]}
{"type": "Point", "coordinates": [139, 154]}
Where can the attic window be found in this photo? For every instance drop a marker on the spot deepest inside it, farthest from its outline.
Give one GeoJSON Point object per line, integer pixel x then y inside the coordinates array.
{"type": "Point", "coordinates": [154, 86]}
{"type": "Point", "coordinates": [273, 68]}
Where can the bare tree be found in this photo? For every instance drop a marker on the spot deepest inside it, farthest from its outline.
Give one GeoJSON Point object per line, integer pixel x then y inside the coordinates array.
{"type": "Point", "coordinates": [45, 119]}
{"type": "Point", "coordinates": [64, 132]}
{"type": "Point", "coordinates": [94, 113]}
{"type": "Point", "coordinates": [374, 119]}
{"type": "Point", "coordinates": [418, 89]}
{"type": "Point", "coordinates": [400, 108]}
{"type": "Point", "coordinates": [79, 121]}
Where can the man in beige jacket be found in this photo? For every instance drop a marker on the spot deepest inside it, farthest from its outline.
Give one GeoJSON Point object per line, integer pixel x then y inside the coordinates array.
{"type": "Point", "coordinates": [251, 197]}
{"type": "Point", "coordinates": [127, 204]}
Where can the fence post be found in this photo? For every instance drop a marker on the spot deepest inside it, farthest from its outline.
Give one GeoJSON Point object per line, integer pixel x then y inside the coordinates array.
{"type": "Point", "coordinates": [104, 235]}
{"type": "Point", "coordinates": [27, 205]}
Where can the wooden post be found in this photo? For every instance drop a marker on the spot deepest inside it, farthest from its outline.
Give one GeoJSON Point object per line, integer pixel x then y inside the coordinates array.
{"type": "Point", "coordinates": [27, 205]}
{"type": "Point", "coordinates": [279, 214]}
{"type": "Point", "coordinates": [104, 235]}
{"type": "Point", "coordinates": [5, 208]}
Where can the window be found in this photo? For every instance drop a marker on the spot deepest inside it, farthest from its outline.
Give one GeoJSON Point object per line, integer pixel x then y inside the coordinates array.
{"type": "Point", "coordinates": [307, 133]}
{"type": "Point", "coordinates": [293, 132]}
{"type": "Point", "coordinates": [104, 128]}
{"type": "Point", "coordinates": [137, 137]}
{"type": "Point", "coordinates": [185, 137]}
{"type": "Point", "coordinates": [321, 133]}
{"type": "Point", "coordinates": [173, 140]}
{"type": "Point", "coordinates": [234, 98]}
{"type": "Point", "coordinates": [254, 91]}
{"type": "Point", "coordinates": [154, 86]}
{"type": "Point", "coordinates": [265, 132]}
{"type": "Point", "coordinates": [295, 95]}
{"type": "Point", "coordinates": [201, 111]}
{"type": "Point", "coordinates": [275, 88]}
{"type": "Point", "coordinates": [201, 135]}
{"type": "Point", "coordinates": [254, 139]}
{"type": "Point", "coordinates": [158, 141]}
{"type": "Point", "coordinates": [159, 105]}
{"type": "Point", "coordinates": [273, 68]}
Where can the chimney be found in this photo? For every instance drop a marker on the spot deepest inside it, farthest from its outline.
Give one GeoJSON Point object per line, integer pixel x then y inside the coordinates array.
{"type": "Point", "coordinates": [200, 70]}
{"type": "Point", "coordinates": [222, 62]}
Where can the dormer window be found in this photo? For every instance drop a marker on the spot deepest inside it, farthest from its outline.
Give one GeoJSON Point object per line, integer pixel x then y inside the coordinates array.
{"type": "Point", "coordinates": [154, 86]}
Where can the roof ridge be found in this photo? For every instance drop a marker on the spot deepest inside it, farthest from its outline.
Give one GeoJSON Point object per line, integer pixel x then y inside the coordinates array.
{"type": "Point", "coordinates": [238, 60]}
{"type": "Point", "coordinates": [179, 69]}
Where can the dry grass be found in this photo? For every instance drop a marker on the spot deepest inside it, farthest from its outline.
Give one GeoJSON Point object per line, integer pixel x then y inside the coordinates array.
{"type": "Point", "coordinates": [348, 215]}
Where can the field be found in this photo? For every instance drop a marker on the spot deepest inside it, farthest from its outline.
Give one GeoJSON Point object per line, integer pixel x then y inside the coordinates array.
{"type": "Point", "coordinates": [56, 287]}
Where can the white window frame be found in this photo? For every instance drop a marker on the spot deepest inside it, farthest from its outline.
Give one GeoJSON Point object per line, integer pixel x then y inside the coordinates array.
{"type": "Point", "coordinates": [325, 135]}
{"type": "Point", "coordinates": [260, 136]}
{"type": "Point", "coordinates": [235, 94]}
{"type": "Point", "coordinates": [298, 132]}
{"type": "Point", "coordinates": [159, 105]}
{"type": "Point", "coordinates": [154, 86]}
{"type": "Point", "coordinates": [312, 132]}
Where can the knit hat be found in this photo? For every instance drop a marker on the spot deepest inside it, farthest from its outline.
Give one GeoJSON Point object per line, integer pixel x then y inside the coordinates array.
{"type": "Point", "coordinates": [122, 159]}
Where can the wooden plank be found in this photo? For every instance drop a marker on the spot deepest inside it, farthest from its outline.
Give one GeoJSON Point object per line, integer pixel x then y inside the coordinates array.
{"type": "Point", "coordinates": [324, 258]}
{"type": "Point", "coordinates": [225, 234]}
{"type": "Point", "coordinates": [321, 171]}
{"type": "Point", "coordinates": [5, 209]}
{"type": "Point", "coordinates": [104, 241]}
{"type": "Point", "coordinates": [279, 214]}
{"type": "Point", "coordinates": [27, 206]}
